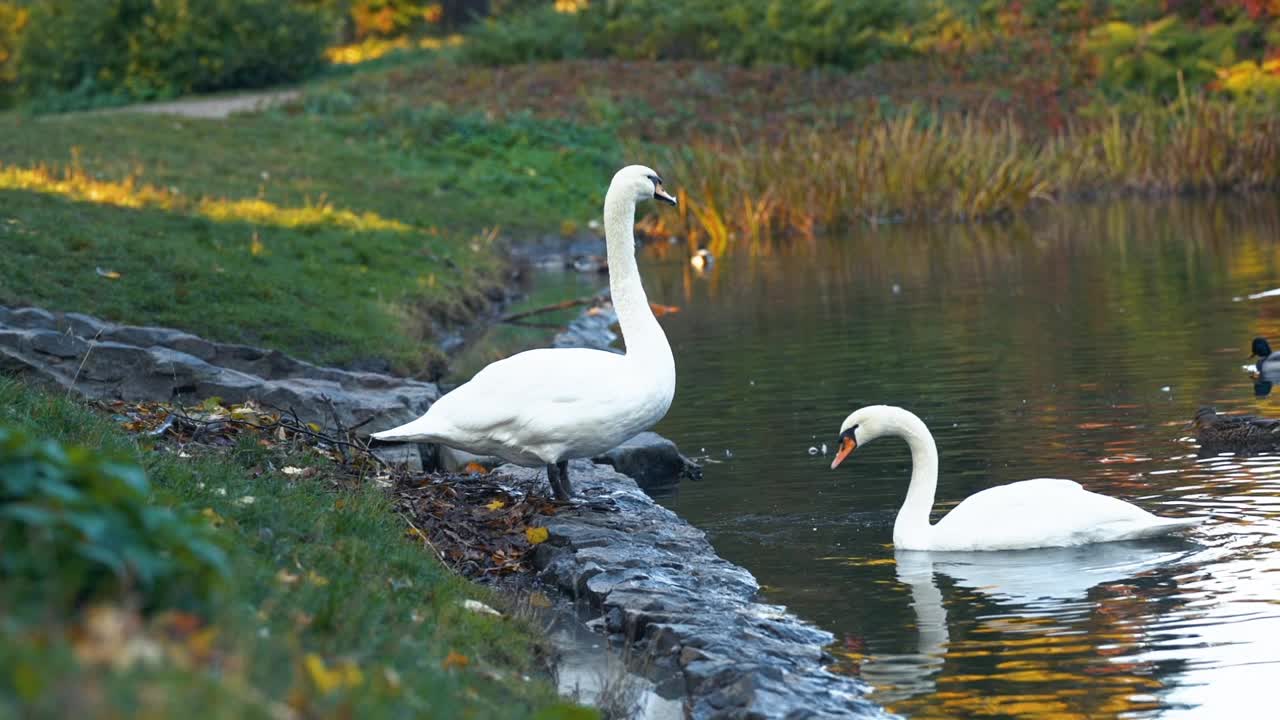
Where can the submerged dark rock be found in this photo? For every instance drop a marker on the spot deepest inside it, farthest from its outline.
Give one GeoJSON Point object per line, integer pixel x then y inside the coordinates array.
{"type": "Point", "coordinates": [656, 581]}
{"type": "Point", "coordinates": [105, 361]}
{"type": "Point", "coordinates": [654, 462]}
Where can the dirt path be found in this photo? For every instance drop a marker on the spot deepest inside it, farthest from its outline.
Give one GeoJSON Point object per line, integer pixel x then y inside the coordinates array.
{"type": "Point", "coordinates": [219, 106]}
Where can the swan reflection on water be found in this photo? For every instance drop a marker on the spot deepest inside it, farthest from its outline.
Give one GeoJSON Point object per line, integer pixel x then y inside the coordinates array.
{"type": "Point", "coordinates": [1032, 585]}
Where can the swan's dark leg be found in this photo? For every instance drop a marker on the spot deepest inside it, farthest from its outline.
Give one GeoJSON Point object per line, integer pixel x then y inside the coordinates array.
{"type": "Point", "coordinates": [563, 468]}
{"type": "Point", "coordinates": [558, 476]}
{"type": "Point", "coordinates": [555, 477]}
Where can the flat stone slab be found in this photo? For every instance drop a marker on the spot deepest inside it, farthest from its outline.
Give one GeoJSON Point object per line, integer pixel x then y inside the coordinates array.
{"type": "Point", "coordinates": [654, 579]}
{"type": "Point", "coordinates": [107, 361]}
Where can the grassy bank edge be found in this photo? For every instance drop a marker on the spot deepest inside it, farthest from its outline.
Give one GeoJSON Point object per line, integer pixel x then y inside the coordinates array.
{"type": "Point", "coordinates": [329, 611]}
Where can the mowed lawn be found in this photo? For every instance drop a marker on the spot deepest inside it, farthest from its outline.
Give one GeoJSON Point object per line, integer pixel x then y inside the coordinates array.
{"type": "Point", "coordinates": [346, 229]}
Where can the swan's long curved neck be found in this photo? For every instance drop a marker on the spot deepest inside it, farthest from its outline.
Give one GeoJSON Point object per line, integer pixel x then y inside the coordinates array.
{"type": "Point", "coordinates": [913, 518]}
{"type": "Point", "coordinates": [640, 330]}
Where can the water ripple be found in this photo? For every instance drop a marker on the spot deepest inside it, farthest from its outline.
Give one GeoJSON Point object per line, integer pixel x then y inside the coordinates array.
{"type": "Point", "coordinates": [1079, 346]}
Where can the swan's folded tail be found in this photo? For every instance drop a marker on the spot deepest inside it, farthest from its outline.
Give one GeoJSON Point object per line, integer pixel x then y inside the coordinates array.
{"type": "Point", "coordinates": [421, 430]}
{"type": "Point", "coordinates": [1171, 525]}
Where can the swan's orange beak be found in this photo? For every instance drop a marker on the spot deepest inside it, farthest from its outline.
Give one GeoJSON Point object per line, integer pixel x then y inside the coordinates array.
{"type": "Point", "coordinates": [660, 194]}
{"type": "Point", "coordinates": [847, 446]}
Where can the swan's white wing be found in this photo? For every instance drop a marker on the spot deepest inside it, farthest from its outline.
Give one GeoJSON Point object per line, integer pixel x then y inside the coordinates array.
{"type": "Point", "coordinates": [548, 375]}
{"type": "Point", "coordinates": [538, 388]}
{"type": "Point", "coordinates": [1044, 512]}
{"type": "Point", "coordinates": [515, 390]}
{"type": "Point", "coordinates": [537, 403]}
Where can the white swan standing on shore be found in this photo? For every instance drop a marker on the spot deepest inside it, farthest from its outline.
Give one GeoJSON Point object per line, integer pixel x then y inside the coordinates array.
{"type": "Point", "coordinates": [1037, 513]}
{"type": "Point", "coordinates": [546, 407]}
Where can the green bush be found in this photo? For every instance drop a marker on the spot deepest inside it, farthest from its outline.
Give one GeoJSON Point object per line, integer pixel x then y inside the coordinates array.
{"type": "Point", "coordinates": [539, 34]}
{"type": "Point", "coordinates": [13, 20]}
{"type": "Point", "coordinates": [76, 526]}
{"type": "Point", "coordinates": [802, 33]}
{"type": "Point", "coordinates": [1156, 56]}
{"type": "Point", "coordinates": [160, 48]}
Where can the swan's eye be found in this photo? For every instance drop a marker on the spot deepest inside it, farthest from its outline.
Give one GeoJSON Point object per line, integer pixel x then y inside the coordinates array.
{"type": "Point", "coordinates": [656, 180]}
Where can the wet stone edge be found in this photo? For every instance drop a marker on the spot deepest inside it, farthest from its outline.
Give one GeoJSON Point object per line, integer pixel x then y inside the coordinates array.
{"type": "Point", "coordinates": [653, 580]}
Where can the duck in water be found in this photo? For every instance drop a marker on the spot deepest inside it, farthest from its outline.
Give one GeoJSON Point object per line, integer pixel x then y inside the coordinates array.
{"type": "Point", "coordinates": [1235, 433]}
{"type": "Point", "coordinates": [1268, 362]}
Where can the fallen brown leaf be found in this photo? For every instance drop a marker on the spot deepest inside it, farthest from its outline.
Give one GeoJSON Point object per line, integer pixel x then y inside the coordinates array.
{"type": "Point", "coordinates": [455, 659]}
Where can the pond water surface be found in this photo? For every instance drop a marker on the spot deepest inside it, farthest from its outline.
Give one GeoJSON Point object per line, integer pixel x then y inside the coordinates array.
{"type": "Point", "coordinates": [1076, 344]}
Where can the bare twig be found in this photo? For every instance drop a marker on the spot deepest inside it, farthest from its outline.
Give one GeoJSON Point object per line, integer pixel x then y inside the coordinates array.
{"type": "Point", "coordinates": [333, 412]}
{"type": "Point", "coordinates": [93, 342]}
{"type": "Point", "coordinates": [563, 305]}
{"type": "Point", "coordinates": [295, 427]}
{"type": "Point", "coordinates": [425, 540]}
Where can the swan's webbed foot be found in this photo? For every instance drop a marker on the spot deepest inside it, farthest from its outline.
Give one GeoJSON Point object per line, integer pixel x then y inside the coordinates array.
{"type": "Point", "coordinates": [558, 477]}
{"type": "Point", "coordinates": [600, 505]}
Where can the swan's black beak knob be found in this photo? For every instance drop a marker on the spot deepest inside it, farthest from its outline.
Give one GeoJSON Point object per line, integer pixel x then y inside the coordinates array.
{"type": "Point", "coordinates": [847, 445]}
{"type": "Point", "coordinates": [660, 194]}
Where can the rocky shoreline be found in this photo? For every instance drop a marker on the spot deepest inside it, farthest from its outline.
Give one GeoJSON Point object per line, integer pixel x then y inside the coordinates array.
{"type": "Point", "coordinates": [645, 578]}
{"type": "Point", "coordinates": [106, 361]}
{"type": "Point", "coordinates": [650, 579]}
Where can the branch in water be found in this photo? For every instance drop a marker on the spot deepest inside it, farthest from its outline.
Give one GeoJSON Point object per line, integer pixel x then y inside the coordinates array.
{"type": "Point", "coordinates": [563, 305]}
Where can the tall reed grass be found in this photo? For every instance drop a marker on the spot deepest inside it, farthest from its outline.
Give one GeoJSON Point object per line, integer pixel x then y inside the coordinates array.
{"type": "Point", "coordinates": [960, 168]}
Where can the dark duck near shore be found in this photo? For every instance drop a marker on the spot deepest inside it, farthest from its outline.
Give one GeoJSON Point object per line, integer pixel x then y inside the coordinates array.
{"type": "Point", "coordinates": [1235, 433]}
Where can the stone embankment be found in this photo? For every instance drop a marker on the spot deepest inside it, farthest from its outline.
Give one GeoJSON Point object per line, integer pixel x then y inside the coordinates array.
{"type": "Point", "coordinates": [645, 576]}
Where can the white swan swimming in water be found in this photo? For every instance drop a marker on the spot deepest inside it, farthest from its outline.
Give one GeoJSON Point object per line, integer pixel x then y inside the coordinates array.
{"type": "Point", "coordinates": [548, 406]}
{"type": "Point", "coordinates": [1044, 512]}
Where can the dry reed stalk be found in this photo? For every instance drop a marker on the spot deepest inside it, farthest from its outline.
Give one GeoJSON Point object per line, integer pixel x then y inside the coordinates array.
{"type": "Point", "coordinates": [963, 168]}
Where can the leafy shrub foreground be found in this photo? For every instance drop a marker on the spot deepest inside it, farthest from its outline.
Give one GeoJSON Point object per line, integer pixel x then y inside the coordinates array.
{"type": "Point", "coordinates": [329, 610]}
{"type": "Point", "coordinates": [79, 526]}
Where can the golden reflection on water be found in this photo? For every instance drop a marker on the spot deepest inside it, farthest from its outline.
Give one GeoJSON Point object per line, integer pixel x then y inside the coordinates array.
{"type": "Point", "coordinates": [1059, 647]}
{"type": "Point", "coordinates": [1077, 345]}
